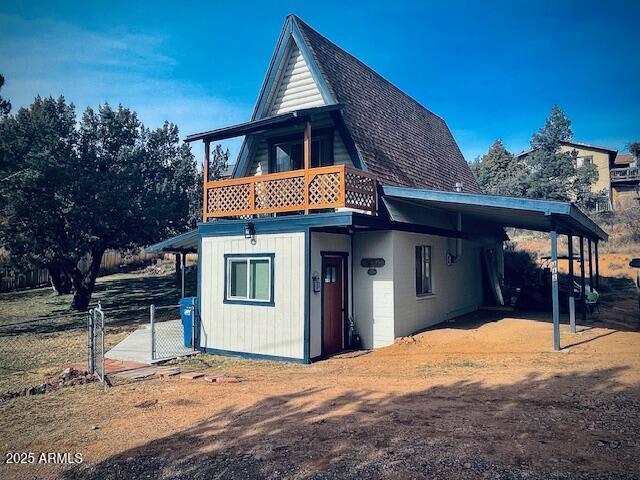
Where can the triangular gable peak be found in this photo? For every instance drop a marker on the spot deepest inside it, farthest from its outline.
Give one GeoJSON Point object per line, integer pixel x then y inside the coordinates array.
{"type": "Point", "coordinates": [296, 87]}
{"type": "Point", "coordinates": [293, 81]}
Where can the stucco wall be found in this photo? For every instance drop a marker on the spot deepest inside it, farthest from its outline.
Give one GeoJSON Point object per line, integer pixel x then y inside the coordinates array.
{"type": "Point", "coordinates": [386, 305]}
{"type": "Point", "coordinates": [373, 295]}
{"type": "Point", "coordinates": [457, 289]}
{"type": "Point", "coordinates": [600, 160]}
{"type": "Point", "coordinates": [269, 330]}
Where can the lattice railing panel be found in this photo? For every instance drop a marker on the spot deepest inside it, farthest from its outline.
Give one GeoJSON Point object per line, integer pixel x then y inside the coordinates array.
{"type": "Point", "coordinates": [228, 198]}
{"type": "Point", "coordinates": [360, 191]}
{"type": "Point", "coordinates": [324, 189]}
{"type": "Point", "coordinates": [279, 193]}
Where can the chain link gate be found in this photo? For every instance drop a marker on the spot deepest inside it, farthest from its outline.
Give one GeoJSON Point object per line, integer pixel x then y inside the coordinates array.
{"type": "Point", "coordinates": [96, 343]}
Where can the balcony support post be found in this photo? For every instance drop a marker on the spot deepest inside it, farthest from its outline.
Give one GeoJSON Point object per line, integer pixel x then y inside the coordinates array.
{"type": "Point", "coordinates": [205, 179]}
{"type": "Point", "coordinates": [307, 164]}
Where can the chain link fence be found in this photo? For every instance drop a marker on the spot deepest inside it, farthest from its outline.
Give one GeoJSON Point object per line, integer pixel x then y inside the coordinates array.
{"type": "Point", "coordinates": [33, 349]}
{"type": "Point", "coordinates": [167, 334]}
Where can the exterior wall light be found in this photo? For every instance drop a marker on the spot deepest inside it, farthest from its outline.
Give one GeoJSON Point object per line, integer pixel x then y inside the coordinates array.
{"type": "Point", "coordinates": [250, 233]}
{"type": "Point", "coordinates": [316, 282]}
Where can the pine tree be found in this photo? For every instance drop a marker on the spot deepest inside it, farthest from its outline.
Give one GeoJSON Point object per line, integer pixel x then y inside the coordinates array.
{"type": "Point", "coordinates": [498, 172]}
{"type": "Point", "coordinates": [71, 190]}
{"type": "Point", "coordinates": [551, 171]}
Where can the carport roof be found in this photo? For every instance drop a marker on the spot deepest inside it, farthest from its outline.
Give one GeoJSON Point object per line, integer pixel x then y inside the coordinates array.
{"type": "Point", "coordinates": [540, 215]}
{"type": "Point", "coordinates": [183, 243]}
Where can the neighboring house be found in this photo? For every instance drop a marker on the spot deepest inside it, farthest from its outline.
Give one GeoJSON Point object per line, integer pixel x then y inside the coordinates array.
{"type": "Point", "coordinates": [587, 154]}
{"type": "Point", "coordinates": [625, 182]}
{"type": "Point", "coordinates": [351, 211]}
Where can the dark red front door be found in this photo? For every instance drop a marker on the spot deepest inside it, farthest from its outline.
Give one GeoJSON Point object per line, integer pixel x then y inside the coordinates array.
{"type": "Point", "coordinates": [333, 304]}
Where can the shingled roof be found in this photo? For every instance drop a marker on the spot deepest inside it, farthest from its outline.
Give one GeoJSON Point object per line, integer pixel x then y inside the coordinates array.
{"type": "Point", "coordinates": [399, 140]}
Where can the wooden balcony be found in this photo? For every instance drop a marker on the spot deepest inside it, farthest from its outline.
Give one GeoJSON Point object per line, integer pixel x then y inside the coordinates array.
{"type": "Point", "coordinates": [336, 186]}
{"type": "Point", "coordinates": [631, 174]}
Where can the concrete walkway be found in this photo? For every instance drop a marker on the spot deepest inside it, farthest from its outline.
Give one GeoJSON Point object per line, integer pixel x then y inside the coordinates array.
{"type": "Point", "coordinates": [137, 346]}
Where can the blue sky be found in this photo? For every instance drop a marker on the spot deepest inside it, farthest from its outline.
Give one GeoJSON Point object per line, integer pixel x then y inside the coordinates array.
{"type": "Point", "coordinates": [490, 69]}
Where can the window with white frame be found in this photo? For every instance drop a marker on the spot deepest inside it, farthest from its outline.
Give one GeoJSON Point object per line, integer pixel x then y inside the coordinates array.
{"type": "Point", "coordinates": [424, 283]}
{"type": "Point", "coordinates": [582, 161]}
{"type": "Point", "coordinates": [249, 279]}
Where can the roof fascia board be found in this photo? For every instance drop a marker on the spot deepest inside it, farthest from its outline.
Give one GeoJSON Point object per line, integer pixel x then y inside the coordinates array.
{"type": "Point", "coordinates": [545, 206]}
{"type": "Point", "coordinates": [580, 217]}
{"type": "Point", "coordinates": [557, 210]}
{"type": "Point", "coordinates": [274, 68]}
{"type": "Point", "coordinates": [321, 82]}
{"type": "Point", "coordinates": [178, 239]}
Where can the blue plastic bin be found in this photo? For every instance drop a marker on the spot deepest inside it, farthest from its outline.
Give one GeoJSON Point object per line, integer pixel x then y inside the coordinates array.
{"type": "Point", "coordinates": [187, 312]}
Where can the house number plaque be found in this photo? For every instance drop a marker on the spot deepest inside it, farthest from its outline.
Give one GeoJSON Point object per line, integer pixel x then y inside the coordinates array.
{"type": "Point", "coordinates": [372, 262]}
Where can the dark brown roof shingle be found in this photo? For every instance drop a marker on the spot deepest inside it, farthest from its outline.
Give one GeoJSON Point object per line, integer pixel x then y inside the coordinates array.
{"type": "Point", "coordinates": [400, 141]}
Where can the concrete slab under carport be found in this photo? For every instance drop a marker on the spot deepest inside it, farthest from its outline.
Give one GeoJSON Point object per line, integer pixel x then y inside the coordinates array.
{"type": "Point", "coordinates": [489, 214]}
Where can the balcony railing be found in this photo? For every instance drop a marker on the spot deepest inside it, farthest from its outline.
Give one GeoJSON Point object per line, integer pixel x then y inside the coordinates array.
{"type": "Point", "coordinates": [336, 186]}
{"type": "Point", "coordinates": [625, 174]}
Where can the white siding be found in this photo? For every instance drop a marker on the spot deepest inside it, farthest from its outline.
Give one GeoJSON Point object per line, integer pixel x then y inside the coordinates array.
{"type": "Point", "coordinates": [324, 242]}
{"type": "Point", "coordinates": [296, 87]}
{"type": "Point", "coordinates": [277, 330]}
{"type": "Point", "coordinates": [340, 153]}
{"type": "Point", "coordinates": [457, 288]}
{"type": "Point", "coordinates": [373, 294]}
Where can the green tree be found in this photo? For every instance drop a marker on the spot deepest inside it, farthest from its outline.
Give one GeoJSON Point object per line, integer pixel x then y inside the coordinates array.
{"type": "Point", "coordinates": [5, 105]}
{"type": "Point", "coordinates": [37, 150]}
{"type": "Point", "coordinates": [551, 171]}
{"type": "Point", "coordinates": [499, 172]}
{"type": "Point", "coordinates": [80, 189]}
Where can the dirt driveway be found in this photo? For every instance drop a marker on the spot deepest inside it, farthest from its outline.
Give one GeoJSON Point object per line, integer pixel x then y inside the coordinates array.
{"type": "Point", "coordinates": [473, 399]}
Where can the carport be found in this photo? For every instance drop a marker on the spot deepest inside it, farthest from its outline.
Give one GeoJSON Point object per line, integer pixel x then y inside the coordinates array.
{"type": "Point", "coordinates": [486, 214]}
{"type": "Point", "coordinates": [180, 246]}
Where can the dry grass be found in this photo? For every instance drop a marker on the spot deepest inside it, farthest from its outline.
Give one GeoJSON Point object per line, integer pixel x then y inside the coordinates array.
{"type": "Point", "coordinates": [33, 350]}
{"type": "Point", "coordinates": [484, 391]}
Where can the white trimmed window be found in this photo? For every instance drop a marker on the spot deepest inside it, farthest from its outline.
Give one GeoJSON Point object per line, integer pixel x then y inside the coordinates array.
{"type": "Point", "coordinates": [424, 282]}
{"type": "Point", "coordinates": [249, 279]}
{"type": "Point", "coordinates": [582, 161]}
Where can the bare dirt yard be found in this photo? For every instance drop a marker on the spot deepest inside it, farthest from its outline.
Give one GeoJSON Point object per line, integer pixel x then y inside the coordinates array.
{"type": "Point", "coordinates": [483, 397]}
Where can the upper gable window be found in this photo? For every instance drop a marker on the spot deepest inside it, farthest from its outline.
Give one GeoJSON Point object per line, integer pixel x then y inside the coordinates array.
{"type": "Point", "coordinates": [286, 154]}
{"type": "Point", "coordinates": [582, 161]}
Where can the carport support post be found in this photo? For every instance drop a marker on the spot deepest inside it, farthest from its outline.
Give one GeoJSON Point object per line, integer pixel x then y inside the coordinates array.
{"type": "Point", "coordinates": [183, 259]}
{"type": "Point", "coordinates": [597, 266]}
{"type": "Point", "coordinates": [572, 291]}
{"type": "Point", "coordinates": [583, 299]}
{"type": "Point", "coordinates": [590, 265]}
{"type": "Point", "coordinates": [554, 289]}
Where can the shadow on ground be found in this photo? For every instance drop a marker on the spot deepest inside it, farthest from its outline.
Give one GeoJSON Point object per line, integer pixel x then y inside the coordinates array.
{"type": "Point", "coordinates": [574, 425]}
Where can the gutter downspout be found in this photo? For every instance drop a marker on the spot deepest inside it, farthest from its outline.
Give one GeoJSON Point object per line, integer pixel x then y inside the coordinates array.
{"type": "Point", "coordinates": [458, 239]}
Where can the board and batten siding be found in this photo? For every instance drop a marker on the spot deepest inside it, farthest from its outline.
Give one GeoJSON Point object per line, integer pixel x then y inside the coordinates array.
{"type": "Point", "coordinates": [296, 88]}
{"type": "Point", "coordinates": [457, 288]}
{"type": "Point", "coordinates": [324, 242]}
{"type": "Point", "coordinates": [277, 330]}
